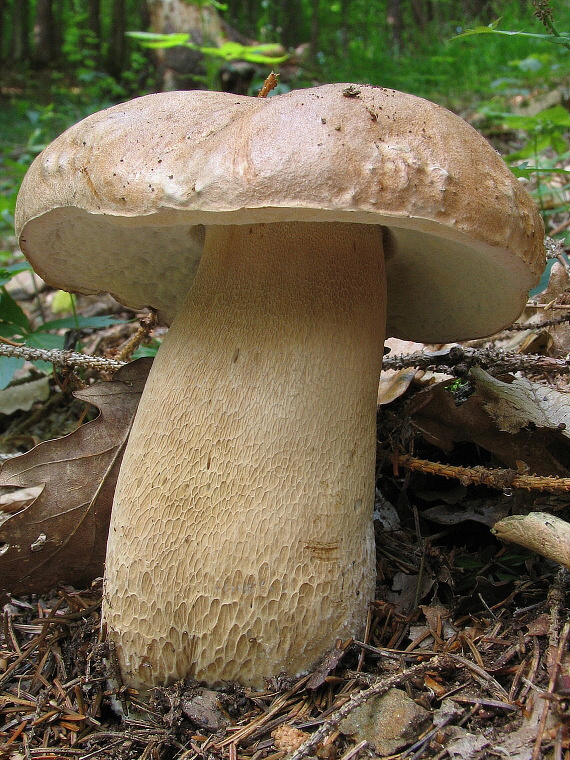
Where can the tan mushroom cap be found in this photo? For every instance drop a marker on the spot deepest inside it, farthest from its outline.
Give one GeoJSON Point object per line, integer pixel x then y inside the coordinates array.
{"type": "Point", "coordinates": [119, 202]}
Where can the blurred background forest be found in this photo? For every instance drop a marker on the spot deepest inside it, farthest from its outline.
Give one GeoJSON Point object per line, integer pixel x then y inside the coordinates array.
{"type": "Point", "coordinates": [405, 44]}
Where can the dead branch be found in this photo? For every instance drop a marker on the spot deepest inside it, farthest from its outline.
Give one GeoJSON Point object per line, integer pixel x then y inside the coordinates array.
{"type": "Point", "coordinates": [539, 325]}
{"type": "Point", "coordinates": [463, 358]}
{"type": "Point", "coordinates": [500, 479]}
{"type": "Point", "coordinates": [62, 358]}
{"type": "Point", "coordinates": [147, 324]}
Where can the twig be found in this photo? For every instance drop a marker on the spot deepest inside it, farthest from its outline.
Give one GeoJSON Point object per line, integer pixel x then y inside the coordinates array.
{"type": "Point", "coordinates": [142, 334]}
{"type": "Point", "coordinates": [546, 306]}
{"type": "Point", "coordinates": [557, 600]}
{"type": "Point", "coordinates": [9, 342]}
{"type": "Point", "coordinates": [63, 358]}
{"type": "Point", "coordinates": [540, 532]}
{"type": "Point", "coordinates": [498, 361]}
{"type": "Point", "coordinates": [269, 84]}
{"type": "Point", "coordinates": [381, 687]}
{"type": "Point", "coordinates": [543, 13]}
{"type": "Point", "coordinates": [416, 750]}
{"type": "Point", "coordinates": [482, 676]}
{"type": "Point", "coordinates": [494, 478]}
{"type": "Point", "coordinates": [353, 751]}
{"type": "Point", "coordinates": [246, 731]}
{"type": "Point", "coordinates": [539, 325]}
{"type": "Point", "coordinates": [560, 228]}
{"type": "Point", "coordinates": [554, 672]}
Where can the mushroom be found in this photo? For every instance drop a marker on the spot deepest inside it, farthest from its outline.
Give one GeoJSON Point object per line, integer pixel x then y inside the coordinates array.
{"type": "Point", "coordinates": [281, 238]}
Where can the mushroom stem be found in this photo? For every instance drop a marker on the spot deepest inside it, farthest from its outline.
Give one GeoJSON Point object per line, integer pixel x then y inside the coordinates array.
{"type": "Point", "coordinates": [241, 542]}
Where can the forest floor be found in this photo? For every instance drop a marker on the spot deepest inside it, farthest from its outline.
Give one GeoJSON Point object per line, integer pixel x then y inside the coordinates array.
{"type": "Point", "coordinates": [465, 653]}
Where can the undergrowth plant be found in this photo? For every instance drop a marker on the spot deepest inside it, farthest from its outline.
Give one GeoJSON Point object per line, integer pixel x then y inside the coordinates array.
{"type": "Point", "coordinates": [17, 327]}
{"type": "Point", "coordinates": [266, 54]}
{"type": "Point", "coordinates": [543, 134]}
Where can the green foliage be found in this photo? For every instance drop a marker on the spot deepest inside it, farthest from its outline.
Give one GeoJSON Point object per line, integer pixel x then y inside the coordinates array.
{"type": "Point", "coordinates": [7, 272]}
{"type": "Point", "coordinates": [229, 51]}
{"type": "Point", "coordinates": [496, 566]}
{"type": "Point", "coordinates": [560, 39]}
{"type": "Point", "coordinates": [148, 349]}
{"type": "Point", "coordinates": [544, 135]}
{"type": "Point", "coordinates": [16, 326]}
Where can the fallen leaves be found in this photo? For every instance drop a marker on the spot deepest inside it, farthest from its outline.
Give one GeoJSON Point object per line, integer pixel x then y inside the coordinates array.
{"type": "Point", "coordinates": [62, 534]}
{"type": "Point", "coordinates": [481, 417]}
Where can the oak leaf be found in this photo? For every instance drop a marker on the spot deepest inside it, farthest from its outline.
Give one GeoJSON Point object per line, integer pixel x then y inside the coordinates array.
{"type": "Point", "coordinates": [62, 535]}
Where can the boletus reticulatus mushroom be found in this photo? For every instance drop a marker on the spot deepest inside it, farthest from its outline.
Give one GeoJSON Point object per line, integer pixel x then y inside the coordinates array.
{"type": "Point", "coordinates": [281, 239]}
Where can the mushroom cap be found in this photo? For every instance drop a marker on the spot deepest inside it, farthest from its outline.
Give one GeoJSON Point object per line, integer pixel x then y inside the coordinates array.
{"type": "Point", "coordinates": [120, 202]}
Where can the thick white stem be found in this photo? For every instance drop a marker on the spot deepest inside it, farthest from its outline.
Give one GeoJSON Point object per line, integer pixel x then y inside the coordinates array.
{"type": "Point", "coordinates": [241, 541]}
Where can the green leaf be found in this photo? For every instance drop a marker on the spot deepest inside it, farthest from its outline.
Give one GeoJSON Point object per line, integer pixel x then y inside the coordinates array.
{"type": "Point", "coordinates": [62, 302]}
{"type": "Point", "coordinates": [562, 39]}
{"type": "Point", "coordinates": [150, 349]}
{"type": "Point", "coordinates": [532, 148]}
{"type": "Point", "coordinates": [45, 367]}
{"type": "Point", "coordinates": [524, 170]}
{"type": "Point", "coordinates": [229, 51]}
{"type": "Point", "coordinates": [11, 331]}
{"type": "Point", "coordinates": [11, 313]}
{"type": "Point", "coordinates": [6, 273]}
{"type": "Point", "coordinates": [9, 365]}
{"type": "Point", "coordinates": [76, 323]}
{"type": "Point", "coordinates": [556, 116]}
{"type": "Point", "coordinates": [44, 340]}
{"type": "Point", "coordinates": [233, 51]}
{"type": "Point", "coordinates": [153, 40]}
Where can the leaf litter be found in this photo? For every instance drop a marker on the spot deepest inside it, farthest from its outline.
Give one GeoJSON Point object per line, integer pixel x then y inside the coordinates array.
{"type": "Point", "coordinates": [472, 631]}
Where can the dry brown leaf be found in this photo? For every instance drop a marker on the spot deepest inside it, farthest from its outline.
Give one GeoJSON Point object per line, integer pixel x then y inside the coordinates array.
{"type": "Point", "coordinates": [395, 382]}
{"type": "Point", "coordinates": [326, 667]}
{"type": "Point", "coordinates": [486, 511]}
{"type": "Point", "coordinates": [23, 395]}
{"type": "Point", "coordinates": [539, 626]}
{"type": "Point", "coordinates": [16, 500]}
{"type": "Point", "coordinates": [62, 535]}
{"type": "Point", "coordinates": [545, 451]}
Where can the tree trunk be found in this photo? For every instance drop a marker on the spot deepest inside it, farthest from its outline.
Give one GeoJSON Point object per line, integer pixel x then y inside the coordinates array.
{"type": "Point", "coordinates": [344, 26]}
{"type": "Point", "coordinates": [290, 23]}
{"type": "Point", "coordinates": [58, 8]}
{"type": "Point", "coordinates": [482, 10]}
{"type": "Point", "coordinates": [45, 49]}
{"type": "Point", "coordinates": [2, 27]}
{"type": "Point", "coordinates": [422, 13]}
{"type": "Point", "coordinates": [180, 67]}
{"type": "Point", "coordinates": [144, 16]}
{"type": "Point", "coordinates": [20, 40]}
{"type": "Point", "coordinates": [395, 21]}
{"type": "Point", "coordinates": [315, 28]}
{"type": "Point", "coordinates": [94, 26]}
{"type": "Point", "coordinates": [117, 40]}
